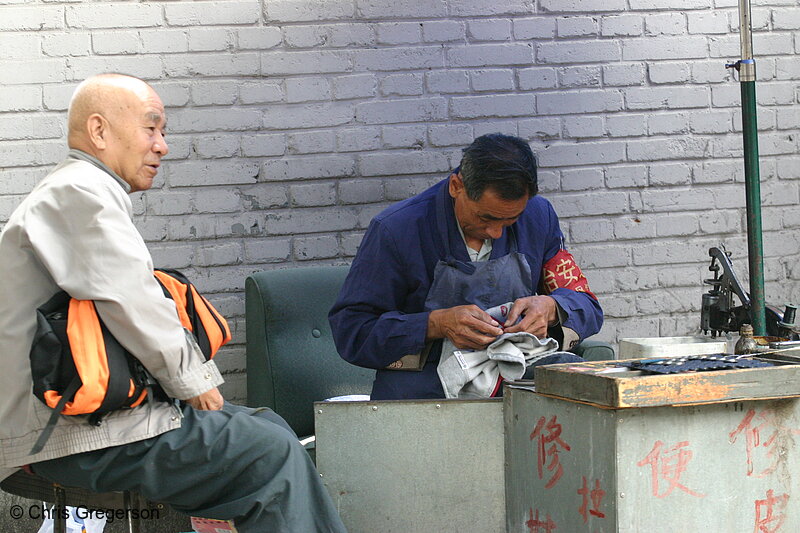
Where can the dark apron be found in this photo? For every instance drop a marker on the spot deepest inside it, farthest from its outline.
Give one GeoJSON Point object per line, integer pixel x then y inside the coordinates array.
{"type": "Point", "coordinates": [485, 284]}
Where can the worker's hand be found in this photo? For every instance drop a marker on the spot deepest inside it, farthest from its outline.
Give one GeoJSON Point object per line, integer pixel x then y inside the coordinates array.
{"type": "Point", "coordinates": [208, 401]}
{"type": "Point", "coordinates": [537, 312]}
{"type": "Point", "coordinates": [467, 326]}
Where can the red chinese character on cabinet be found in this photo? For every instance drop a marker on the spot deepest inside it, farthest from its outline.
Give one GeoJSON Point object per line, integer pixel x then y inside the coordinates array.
{"type": "Point", "coordinates": [763, 432]}
{"type": "Point", "coordinates": [535, 525]}
{"type": "Point", "coordinates": [548, 442]}
{"type": "Point", "coordinates": [770, 513]}
{"type": "Point", "coordinates": [668, 465]}
{"type": "Point", "coordinates": [596, 495]}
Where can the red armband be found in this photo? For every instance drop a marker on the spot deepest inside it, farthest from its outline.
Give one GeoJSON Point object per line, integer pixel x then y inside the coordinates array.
{"type": "Point", "coordinates": [562, 272]}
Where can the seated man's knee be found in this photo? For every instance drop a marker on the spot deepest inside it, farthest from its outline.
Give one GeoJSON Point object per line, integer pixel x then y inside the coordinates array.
{"type": "Point", "coordinates": [553, 359]}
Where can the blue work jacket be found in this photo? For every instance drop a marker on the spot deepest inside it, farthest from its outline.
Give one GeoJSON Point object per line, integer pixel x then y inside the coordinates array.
{"type": "Point", "coordinates": [380, 313]}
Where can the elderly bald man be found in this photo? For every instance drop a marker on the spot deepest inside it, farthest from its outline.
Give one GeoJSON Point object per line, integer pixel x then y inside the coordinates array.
{"type": "Point", "coordinates": [74, 232]}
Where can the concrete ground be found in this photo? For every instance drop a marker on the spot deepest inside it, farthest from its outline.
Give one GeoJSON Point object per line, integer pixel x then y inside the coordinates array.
{"type": "Point", "coordinates": [163, 520]}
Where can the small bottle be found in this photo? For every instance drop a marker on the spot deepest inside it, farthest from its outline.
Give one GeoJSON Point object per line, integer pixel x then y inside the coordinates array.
{"type": "Point", "coordinates": [746, 343]}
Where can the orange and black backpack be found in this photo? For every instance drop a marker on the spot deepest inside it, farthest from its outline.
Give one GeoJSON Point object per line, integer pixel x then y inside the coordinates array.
{"type": "Point", "coordinates": [79, 368]}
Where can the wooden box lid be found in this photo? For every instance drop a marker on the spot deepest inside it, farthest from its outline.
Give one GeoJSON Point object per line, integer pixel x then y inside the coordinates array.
{"type": "Point", "coordinates": [604, 384]}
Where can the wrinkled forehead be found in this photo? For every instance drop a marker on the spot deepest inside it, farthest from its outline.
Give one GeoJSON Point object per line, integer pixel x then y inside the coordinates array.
{"type": "Point", "coordinates": [150, 105]}
{"type": "Point", "coordinates": [150, 98]}
{"type": "Point", "coordinates": [491, 205]}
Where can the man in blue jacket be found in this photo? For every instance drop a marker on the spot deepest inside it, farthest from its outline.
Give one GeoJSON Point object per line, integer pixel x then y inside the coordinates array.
{"type": "Point", "coordinates": [429, 267]}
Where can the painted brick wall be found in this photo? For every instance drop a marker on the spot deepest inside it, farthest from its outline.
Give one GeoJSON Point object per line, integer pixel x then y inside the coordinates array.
{"type": "Point", "coordinates": [293, 122]}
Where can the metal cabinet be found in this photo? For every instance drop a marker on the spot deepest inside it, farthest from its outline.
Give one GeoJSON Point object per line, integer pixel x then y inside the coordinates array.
{"type": "Point", "coordinates": [421, 466]}
{"type": "Point", "coordinates": [719, 466]}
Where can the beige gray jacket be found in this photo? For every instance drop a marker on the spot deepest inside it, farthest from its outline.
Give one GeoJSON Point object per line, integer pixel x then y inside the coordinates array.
{"type": "Point", "coordinates": [74, 232]}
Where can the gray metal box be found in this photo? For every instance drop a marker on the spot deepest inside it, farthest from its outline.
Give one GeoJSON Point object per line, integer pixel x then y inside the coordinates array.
{"type": "Point", "coordinates": [421, 466]}
{"type": "Point", "coordinates": [716, 468]}
{"type": "Point", "coordinates": [631, 348]}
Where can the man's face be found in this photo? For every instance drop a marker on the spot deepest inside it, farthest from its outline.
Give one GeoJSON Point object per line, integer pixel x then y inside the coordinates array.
{"type": "Point", "coordinates": [136, 142]}
{"type": "Point", "coordinates": [488, 216]}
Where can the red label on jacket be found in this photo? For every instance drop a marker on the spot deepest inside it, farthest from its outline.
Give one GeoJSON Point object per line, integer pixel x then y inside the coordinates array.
{"type": "Point", "coordinates": [562, 272]}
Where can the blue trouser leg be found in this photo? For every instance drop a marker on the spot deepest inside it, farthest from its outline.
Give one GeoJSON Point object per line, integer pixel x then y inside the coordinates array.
{"type": "Point", "coordinates": [553, 359]}
{"type": "Point", "coordinates": [238, 463]}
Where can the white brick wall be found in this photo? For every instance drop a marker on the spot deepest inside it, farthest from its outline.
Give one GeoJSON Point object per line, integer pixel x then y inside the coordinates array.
{"type": "Point", "coordinates": [292, 122]}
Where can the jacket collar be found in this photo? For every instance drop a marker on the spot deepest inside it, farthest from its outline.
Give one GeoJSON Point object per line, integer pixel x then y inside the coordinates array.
{"type": "Point", "coordinates": [83, 156]}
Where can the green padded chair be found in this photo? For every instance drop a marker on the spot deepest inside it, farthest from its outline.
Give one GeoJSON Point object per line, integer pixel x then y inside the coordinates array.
{"type": "Point", "coordinates": [291, 359]}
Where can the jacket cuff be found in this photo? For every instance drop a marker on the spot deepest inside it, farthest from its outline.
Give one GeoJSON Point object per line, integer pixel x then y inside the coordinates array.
{"type": "Point", "coordinates": [195, 382]}
{"type": "Point", "coordinates": [569, 338]}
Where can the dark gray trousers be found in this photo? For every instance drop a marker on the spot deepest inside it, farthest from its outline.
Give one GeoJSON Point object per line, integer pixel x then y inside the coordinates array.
{"type": "Point", "coordinates": [238, 464]}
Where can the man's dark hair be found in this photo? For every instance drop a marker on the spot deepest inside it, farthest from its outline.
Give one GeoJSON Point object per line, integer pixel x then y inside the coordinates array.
{"type": "Point", "coordinates": [499, 162]}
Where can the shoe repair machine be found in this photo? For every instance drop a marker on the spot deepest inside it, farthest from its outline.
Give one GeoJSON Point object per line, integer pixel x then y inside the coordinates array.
{"type": "Point", "coordinates": [719, 314]}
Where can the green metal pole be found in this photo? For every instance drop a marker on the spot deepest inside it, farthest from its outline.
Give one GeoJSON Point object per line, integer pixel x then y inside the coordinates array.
{"type": "Point", "coordinates": [747, 78]}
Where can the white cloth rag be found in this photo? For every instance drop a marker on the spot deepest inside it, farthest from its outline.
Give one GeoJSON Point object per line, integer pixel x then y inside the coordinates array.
{"type": "Point", "coordinates": [474, 374]}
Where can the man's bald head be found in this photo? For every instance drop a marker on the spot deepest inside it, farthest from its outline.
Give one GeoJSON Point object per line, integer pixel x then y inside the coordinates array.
{"type": "Point", "coordinates": [104, 94]}
{"type": "Point", "coordinates": [119, 120]}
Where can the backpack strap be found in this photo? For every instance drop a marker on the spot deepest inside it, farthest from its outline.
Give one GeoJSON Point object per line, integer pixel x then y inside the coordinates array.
{"type": "Point", "coordinates": [44, 436]}
{"type": "Point", "coordinates": [120, 374]}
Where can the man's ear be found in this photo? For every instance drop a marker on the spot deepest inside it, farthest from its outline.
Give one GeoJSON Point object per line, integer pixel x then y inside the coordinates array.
{"type": "Point", "coordinates": [97, 130]}
{"type": "Point", "coordinates": [456, 185]}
